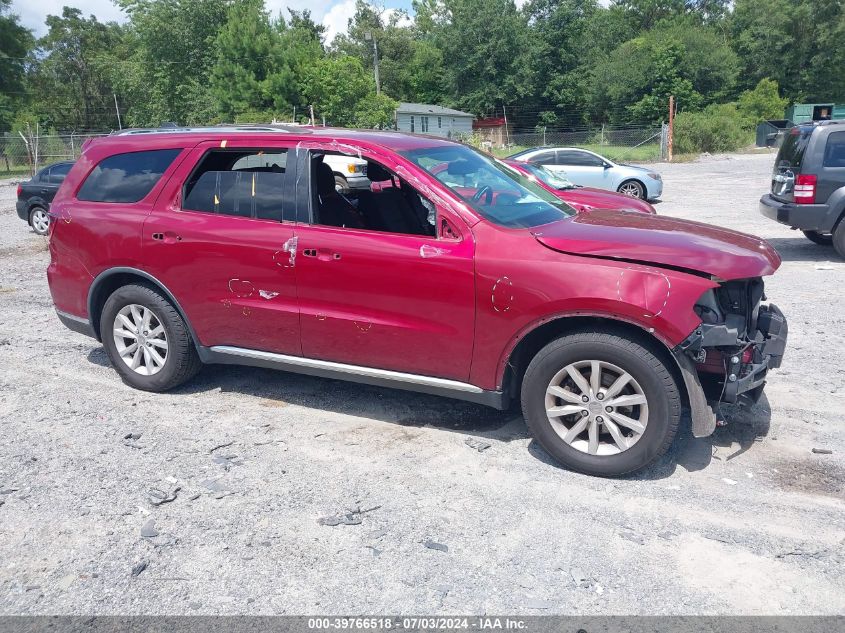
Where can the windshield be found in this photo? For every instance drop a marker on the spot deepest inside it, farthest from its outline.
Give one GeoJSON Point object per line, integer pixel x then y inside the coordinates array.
{"type": "Point", "coordinates": [553, 180]}
{"type": "Point", "coordinates": [499, 193]}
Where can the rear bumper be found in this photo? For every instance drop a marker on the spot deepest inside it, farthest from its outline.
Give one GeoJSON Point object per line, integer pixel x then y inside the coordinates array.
{"type": "Point", "coordinates": [80, 325]}
{"type": "Point", "coordinates": [807, 217]}
{"type": "Point", "coordinates": [23, 210]}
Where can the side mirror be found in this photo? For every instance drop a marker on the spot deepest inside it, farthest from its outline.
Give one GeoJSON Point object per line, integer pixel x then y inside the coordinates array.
{"type": "Point", "coordinates": [607, 165]}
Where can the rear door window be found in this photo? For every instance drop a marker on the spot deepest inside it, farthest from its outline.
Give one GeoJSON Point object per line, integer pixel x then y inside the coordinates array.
{"type": "Point", "coordinates": [834, 151]}
{"type": "Point", "coordinates": [248, 183]}
{"type": "Point", "coordinates": [578, 159]}
{"type": "Point", "coordinates": [126, 177]}
{"type": "Point", "coordinates": [58, 173]}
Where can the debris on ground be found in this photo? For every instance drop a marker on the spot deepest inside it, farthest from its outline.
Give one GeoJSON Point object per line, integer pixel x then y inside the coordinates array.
{"type": "Point", "coordinates": [132, 436]}
{"type": "Point", "coordinates": [730, 482]}
{"type": "Point", "coordinates": [633, 537]}
{"type": "Point", "coordinates": [822, 451]}
{"type": "Point", "coordinates": [219, 446]}
{"type": "Point", "coordinates": [478, 444]}
{"type": "Point", "coordinates": [353, 517]}
{"type": "Point", "coordinates": [158, 497]}
{"type": "Point", "coordinates": [581, 579]}
{"type": "Point", "coordinates": [219, 489]}
{"type": "Point", "coordinates": [139, 567]}
{"type": "Point", "coordinates": [148, 530]}
{"type": "Point", "coordinates": [440, 547]}
{"type": "Point", "coordinates": [227, 461]}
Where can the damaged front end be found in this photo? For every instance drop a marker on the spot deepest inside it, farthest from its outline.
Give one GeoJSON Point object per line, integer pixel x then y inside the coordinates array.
{"type": "Point", "coordinates": [739, 339]}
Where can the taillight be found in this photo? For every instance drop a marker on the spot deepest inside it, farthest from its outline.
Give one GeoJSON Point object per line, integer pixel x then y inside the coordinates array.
{"type": "Point", "coordinates": [805, 189]}
{"type": "Point", "coordinates": [20, 190]}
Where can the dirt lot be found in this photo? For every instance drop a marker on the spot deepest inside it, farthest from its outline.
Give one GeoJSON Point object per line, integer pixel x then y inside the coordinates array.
{"type": "Point", "coordinates": [748, 521]}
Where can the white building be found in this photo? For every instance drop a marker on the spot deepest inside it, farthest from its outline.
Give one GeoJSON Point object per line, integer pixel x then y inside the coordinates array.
{"type": "Point", "coordinates": [423, 118]}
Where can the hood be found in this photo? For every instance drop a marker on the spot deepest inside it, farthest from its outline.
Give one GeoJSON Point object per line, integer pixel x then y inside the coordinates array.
{"type": "Point", "coordinates": [661, 240]}
{"type": "Point", "coordinates": [602, 199]}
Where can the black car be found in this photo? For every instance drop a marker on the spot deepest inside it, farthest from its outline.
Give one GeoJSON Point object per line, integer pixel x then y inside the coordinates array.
{"type": "Point", "coordinates": [808, 183]}
{"type": "Point", "coordinates": [35, 195]}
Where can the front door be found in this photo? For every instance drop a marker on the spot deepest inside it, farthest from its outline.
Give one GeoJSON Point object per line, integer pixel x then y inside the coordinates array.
{"type": "Point", "coordinates": [220, 240]}
{"type": "Point", "coordinates": [386, 299]}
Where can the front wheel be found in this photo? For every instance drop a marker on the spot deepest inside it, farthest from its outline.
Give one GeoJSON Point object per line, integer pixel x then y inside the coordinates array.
{"type": "Point", "coordinates": [825, 239]}
{"type": "Point", "coordinates": [632, 188]}
{"type": "Point", "coordinates": [600, 404]}
{"type": "Point", "coordinates": [39, 220]}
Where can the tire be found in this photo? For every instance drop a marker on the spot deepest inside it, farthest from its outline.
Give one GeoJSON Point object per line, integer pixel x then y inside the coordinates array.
{"type": "Point", "coordinates": [180, 359]}
{"type": "Point", "coordinates": [633, 188]}
{"type": "Point", "coordinates": [652, 382]}
{"type": "Point", "coordinates": [824, 239]}
{"type": "Point", "coordinates": [39, 220]}
{"type": "Point", "coordinates": [340, 184]}
{"type": "Point", "coordinates": [839, 238]}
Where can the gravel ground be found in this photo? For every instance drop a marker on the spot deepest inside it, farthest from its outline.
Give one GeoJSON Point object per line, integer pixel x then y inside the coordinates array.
{"type": "Point", "coordinates": [262, 464]}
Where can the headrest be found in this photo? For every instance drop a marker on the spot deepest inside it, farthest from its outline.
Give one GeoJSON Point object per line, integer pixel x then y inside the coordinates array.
{"type": "Point", "coordinates": [325, 179]}
{"type": "Point", "coordinates": [377, 173]}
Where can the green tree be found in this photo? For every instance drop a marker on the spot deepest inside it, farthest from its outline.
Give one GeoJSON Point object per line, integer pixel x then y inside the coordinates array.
{"type": "Point", "coordinates": [680, 57]}
{"type": "Point", "coordinates": [375, 111]}
{"type": "Point", "coordinates": [485, 47]}
{"type": "Point", "coordinates": [334, 86]}
{"type": "Point", "coordinates": [762, 103]}
{"type": "Point", "coordinates": [15, 44]}
{"type": "Point", "coordinates": [72, 83]}
{"type": "Point", "coordinates": [249, 74]}
{"type": "Point", "coordinates": [173, 48]}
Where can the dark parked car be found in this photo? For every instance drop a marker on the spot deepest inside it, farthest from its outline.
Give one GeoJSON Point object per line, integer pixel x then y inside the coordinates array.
{"type": "Point", "coordinates": [36, 194]}
{"type": "Point", "coordinates": [808, 183]}
{"type": "Point", "coordinates": [457, 276]}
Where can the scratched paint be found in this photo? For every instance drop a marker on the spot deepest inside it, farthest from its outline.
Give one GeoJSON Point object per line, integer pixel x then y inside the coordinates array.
{"type": "Point", "coordinates": [241, 288]}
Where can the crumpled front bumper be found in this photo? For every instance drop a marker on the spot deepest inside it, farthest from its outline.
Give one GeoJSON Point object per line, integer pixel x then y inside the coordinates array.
{"type": "Point", "coordinates": [746, 362]}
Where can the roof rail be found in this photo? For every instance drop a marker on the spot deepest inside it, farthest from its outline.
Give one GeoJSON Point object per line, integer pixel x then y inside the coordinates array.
{"type": "Point", "coordinates": [216, 129]}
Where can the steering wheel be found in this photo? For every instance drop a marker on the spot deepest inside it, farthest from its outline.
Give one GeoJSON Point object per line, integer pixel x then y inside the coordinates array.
{"type": "Point", "coordinates": [487, 192]}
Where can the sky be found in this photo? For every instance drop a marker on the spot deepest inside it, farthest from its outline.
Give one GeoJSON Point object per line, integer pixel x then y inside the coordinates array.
{"type": "Point", "coordinates": [334, 14]}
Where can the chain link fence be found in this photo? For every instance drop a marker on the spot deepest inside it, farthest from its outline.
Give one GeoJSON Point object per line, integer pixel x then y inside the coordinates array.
{"type": "Point", "coordinates": [25, 153]}
{"type": "Point", "coordinates": [618, 143]}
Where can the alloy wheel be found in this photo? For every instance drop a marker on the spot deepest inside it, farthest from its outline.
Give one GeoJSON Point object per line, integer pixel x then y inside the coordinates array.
{"type": "Point", "coordinates": [596, 407]}
{"type": "Point", "coordinates": [40, 221]}
{"type": "Point", "coordinates": [140, 339]}
{"type": "Point", "coordinates": [632, 189]}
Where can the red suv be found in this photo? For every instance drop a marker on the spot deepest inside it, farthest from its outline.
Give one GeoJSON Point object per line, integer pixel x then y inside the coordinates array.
{"type": "Point", "coordinates": [456, 277]}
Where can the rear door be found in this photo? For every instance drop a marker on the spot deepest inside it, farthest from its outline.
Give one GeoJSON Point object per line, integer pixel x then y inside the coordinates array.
{"type": "Point", "coordinates": [220, 238]}
{"type": "Point", "coordinates": [832, 173]}
{"type": "Point", "coordinates": [584, 168]}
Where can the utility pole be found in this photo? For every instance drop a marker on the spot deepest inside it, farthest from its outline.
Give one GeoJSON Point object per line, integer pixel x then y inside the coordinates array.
{"type": "Point", "coordinates": [671, 127]}
{"type": "Point", "coordinates": [311, 110]}
{"type": "Point", "coordinates": [507, 132]}
{"type": "Point", "coordinates": [369, 36]}
{"type": "Point", "coordinates": [116, 109]}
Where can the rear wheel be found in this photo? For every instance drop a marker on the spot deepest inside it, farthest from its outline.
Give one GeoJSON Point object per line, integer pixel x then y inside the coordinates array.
{"type": "Point", "coordinates": [839, 238]}
{"type": "Point", "coordinates": [632, 188]}
{"type": "Point", "coordinates": [600, 404]}
{"type": "Point", "coordinates": [147, 340]}
{"type": "Point", "coordinates": [39, 220]}
{"type": "Point", "coordinates": [825, 239]}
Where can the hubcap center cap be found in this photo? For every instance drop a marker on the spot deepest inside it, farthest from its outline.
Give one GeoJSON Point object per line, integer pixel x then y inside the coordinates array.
{"type": "Point", "coordinates": [595, 407]}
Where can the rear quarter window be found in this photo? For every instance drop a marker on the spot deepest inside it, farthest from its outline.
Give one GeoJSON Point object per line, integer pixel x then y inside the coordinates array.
{"type": "Point", "coordinates": [834, 151]}
{"type": "Point", "coordinates": [126, 177]}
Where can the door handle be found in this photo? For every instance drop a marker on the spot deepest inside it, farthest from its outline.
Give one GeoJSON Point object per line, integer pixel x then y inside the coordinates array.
{"type": "Point", "coordinates": [322, 255]}
{"type": "Point", "coordinates": [168, 237]}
